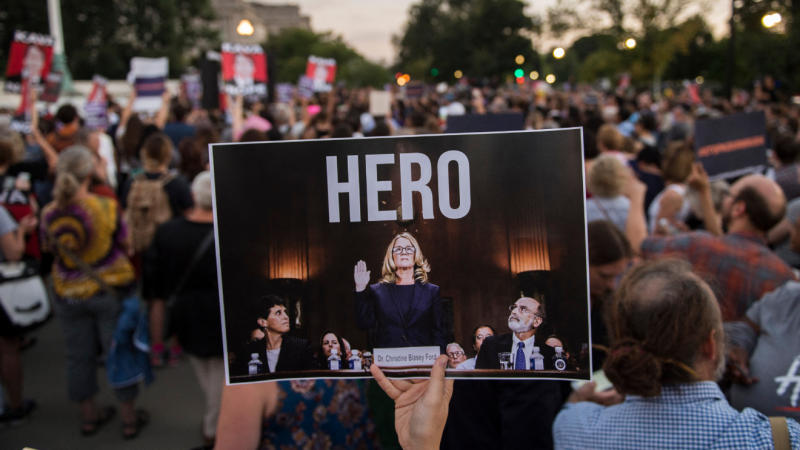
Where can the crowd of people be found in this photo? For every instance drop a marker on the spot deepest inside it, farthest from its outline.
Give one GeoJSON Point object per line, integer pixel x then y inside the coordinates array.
{"type": "Point", "coordinates": [123, 212]}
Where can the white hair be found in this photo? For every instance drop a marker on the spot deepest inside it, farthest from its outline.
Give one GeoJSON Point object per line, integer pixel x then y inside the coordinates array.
{"type": "Point", "coordinates": [201, 189]}
{"type": "Point", "coordinates": [456, 345]}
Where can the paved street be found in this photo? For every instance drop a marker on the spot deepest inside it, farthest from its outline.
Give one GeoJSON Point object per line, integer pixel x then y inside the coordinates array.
{"type": "Point", "coordinates": [174, 400]}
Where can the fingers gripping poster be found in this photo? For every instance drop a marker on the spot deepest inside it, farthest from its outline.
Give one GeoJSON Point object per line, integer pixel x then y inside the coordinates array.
{"type": "Point", "coordinates": [337, 254]}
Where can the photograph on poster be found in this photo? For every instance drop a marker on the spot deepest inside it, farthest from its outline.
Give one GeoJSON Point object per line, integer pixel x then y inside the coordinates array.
{"type": "Point", "coordinates": [322, 72]}
{"type": "Point", "coordinates": [29, 60]}
{"type": "Point", "coordinates": [341, 253]}
{"type": "Point", "coordinates": [244, 69]}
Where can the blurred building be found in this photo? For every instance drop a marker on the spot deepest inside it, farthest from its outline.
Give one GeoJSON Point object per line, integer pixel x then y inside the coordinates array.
{"type": "Point", "coordinates": [265, 18]}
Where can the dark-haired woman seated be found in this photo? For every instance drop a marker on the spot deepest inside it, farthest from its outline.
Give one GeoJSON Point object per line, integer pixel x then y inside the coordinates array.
{"type": "Point", "coordinates": [277, 351]}
{"type": "Point", "coordinates": [329, 341]}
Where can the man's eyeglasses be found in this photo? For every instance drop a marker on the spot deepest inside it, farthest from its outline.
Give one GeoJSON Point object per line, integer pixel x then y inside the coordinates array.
{"type": "Point", "coordinates": [522, 309]}
{"type": "Point", "coordinates": [480, 337]}
{"type": "Point", "coordinates": [404, 250]}
{"type": "Point", "coordinates": [455, 354]}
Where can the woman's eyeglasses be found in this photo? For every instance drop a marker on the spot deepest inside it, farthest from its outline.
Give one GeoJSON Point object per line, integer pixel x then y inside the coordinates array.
{"type": "Point", "coordinates": [404, 250]}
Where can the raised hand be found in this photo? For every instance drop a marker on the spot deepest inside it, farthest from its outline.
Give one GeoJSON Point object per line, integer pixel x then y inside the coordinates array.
{"type": "Point", "coordinates": [361, 276]}
{"type": "Point", "coordinates": [698, 179]}
{"type": "Point", "coordinates": [421, 406]}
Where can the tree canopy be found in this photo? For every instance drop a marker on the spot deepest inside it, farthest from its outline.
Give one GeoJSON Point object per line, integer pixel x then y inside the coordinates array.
{"type": "Point", "coordinates": [292, 47]}
{"type": "Point", "coordinates": [101, 36]}
{"type": "Point", "coordinates": [481, 38]}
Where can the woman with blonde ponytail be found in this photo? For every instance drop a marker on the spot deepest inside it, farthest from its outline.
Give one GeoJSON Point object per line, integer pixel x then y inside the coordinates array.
{"type": "Point", "coordinates": [83, 225]}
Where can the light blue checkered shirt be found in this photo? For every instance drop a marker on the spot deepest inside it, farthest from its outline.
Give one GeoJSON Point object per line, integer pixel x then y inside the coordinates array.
{"type": "Point", "coordinates": [684, 416]}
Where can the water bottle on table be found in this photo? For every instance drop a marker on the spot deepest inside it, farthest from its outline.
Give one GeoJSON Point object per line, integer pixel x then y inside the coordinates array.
{"type": "Point", "coordinates": [334, 362]}
{"type": "Point", "coordinates": [254, 366]}
{"type": "Point", "coordinates": [537, 360]}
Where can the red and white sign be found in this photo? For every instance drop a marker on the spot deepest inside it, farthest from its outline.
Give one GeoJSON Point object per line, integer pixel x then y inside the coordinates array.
{"type": "Point", "coordinates": [322, 71]}
{"type": "Point", "coordinates": [96, 107]}
{"type": "Point", "coordinates": [244, 69]}
{"type": "Point", "coordinates": [29, 59]}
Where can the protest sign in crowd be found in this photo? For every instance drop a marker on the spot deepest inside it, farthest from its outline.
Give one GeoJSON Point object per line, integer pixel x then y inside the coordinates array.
{"type": "Point", "coordinates": [688, 219]}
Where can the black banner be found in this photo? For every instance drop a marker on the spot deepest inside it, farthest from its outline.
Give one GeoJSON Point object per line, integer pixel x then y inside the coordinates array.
{"type": "Point", "coordinates": [731, 146]}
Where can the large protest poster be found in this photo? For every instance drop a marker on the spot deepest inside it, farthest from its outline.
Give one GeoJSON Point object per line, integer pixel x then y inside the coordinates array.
{"type": "Point", "coordinates": [481, 123]}
{"type": "Point", "coordinates": [244, 69]}
{"type": "Point", "coordinates": [29, 59]}
{"type": "Point", "coordinates": [334, 230]}
{"type": "Point", "coordinates": [149, 79]}
{"type": "Point", "coordinates": [322, 71]}
{"type": "Point", "coordinates": [731, 146]}
{"type": "Point", "coordinates": [96, 107]}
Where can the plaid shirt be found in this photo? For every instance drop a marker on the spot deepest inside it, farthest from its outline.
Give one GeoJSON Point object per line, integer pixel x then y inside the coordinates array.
{"type": "Point", "coordinates": [739, 267]}
{"type": "Point", "coordinates": [685, 416]}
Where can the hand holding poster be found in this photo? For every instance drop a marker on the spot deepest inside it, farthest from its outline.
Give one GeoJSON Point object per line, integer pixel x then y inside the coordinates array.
{"type": "Point", "coordinates": [388, 250]}
{"type": "Point", "coordinates": [244, 69]}
{"type": "Point", "coordinates": [322, 71]}
{"type": "Point", "coordinates": [149, 79]}
{"type": "Point", "coordinates": [731, 146]}
{"type": "Point", "coordinates": [96, 107]}
{"type": "Point", "coordinates": [29, 59]}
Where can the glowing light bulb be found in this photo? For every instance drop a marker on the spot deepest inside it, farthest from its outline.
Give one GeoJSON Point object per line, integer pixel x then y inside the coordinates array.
{"type": "Point", "coordinates": [534, 75]}
{"type": "Point", "coordinates": [519, 59]}
{"type": "Point", "coordinates": [550, 78]}
{"type": "Point", "coordinates": [245, 28]}
{"type": "Point", "coordinates": [770, 20]}
{"type": "Point", "coordinates": [630, 43]}
{"type": "Point", "coordinates": [559, 53]}
{"type": "Point", "coordinates": [458, 74]}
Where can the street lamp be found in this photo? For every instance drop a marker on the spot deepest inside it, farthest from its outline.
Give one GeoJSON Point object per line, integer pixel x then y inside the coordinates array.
{"type": "Point", "coordinates": [558, 53]}
{"type": "Point", "coordinates": [770, 20]}
{"type": "Point", "coordinates": [245, 28]}
{"type": "Point", "coordinates": [550, 78]}
{"type": "Point", "coordinates": [534, 75]}
{"type": "Point", "coordinates": [519, 59]}
{"type": "Point", "coordinates": [630, 43]}
{"type": "Point", "coordinates": [458, 74]}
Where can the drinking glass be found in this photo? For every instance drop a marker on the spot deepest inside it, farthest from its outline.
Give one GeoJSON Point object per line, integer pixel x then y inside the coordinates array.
{"type": "Point", "coordinates": [505, 360]}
